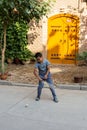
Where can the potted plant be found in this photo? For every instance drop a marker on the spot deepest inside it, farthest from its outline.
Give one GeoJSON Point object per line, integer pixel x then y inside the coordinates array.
{"type": "Point", "coordinates": [3, 73]}
{"type": "Point", "coordinates": [82, 57]}
{"type": "Point", "coordinates": [82, 60]}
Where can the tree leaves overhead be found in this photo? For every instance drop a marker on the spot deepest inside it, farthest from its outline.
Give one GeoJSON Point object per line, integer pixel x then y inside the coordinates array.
{"type": "Point", "coordinates": [13, 10]}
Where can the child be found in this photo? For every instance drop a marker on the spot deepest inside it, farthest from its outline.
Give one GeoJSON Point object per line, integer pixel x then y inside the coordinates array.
{"type": "Point", "coordinates": [42, 72]}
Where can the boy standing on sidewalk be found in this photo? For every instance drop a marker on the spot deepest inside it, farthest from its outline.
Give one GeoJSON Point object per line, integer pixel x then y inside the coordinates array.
{"type": "Point", "coordinates": [42, 72]}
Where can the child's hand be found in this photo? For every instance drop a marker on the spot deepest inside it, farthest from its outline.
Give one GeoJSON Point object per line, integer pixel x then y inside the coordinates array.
{"type": "Point", "coordinates": [45, 77]}
{"type": "Point", "coordinates": [40, 79]}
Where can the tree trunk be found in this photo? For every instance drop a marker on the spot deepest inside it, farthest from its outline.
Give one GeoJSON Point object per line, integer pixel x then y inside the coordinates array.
{"type": "Point", "coordinates": [3, 49]}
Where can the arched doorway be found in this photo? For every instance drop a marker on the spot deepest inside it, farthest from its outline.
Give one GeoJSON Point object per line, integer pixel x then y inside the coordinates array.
{"type": "Point", "coordinates": [63, 38]}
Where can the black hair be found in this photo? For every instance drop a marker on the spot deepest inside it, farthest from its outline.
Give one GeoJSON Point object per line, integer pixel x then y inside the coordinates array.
{"type": "Point", "coordinates": [38, 54]}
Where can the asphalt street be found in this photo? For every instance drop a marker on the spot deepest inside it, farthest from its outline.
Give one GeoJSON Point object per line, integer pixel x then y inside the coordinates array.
{"type": "Point", "coordinates": [20, 111]}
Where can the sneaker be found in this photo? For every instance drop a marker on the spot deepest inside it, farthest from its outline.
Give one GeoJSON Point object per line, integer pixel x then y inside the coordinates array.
{"type": "Point", "coordinates": [37, 99]}
{"type": "Point", "coordinates": [55, 99]}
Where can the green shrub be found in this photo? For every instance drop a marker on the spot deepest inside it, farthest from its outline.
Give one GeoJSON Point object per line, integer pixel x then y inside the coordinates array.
{"type": "Point", "coordinates": [17, 42]}
{"type": "Point", "coordinates": [82, 56]}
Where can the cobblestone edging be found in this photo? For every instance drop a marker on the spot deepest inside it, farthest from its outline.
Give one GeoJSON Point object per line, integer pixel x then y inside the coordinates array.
{"type": "Point", "coordinates": [60, 86]}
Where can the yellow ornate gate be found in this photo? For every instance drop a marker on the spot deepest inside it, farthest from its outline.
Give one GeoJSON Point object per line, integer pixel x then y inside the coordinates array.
{"type": "Point", "coordinates": [63, 38]}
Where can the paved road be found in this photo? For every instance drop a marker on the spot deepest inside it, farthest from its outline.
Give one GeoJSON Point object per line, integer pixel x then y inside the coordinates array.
{"type": "Point", "coordinates": [19, 110]}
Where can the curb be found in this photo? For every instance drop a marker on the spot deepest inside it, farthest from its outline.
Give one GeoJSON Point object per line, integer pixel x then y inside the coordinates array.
{"type": "Point", "coordinates": [15, 84]}
{"type": "Point", "coordinates": [60, 86]}
{"type": "Point", "coordinates": [72, 87]}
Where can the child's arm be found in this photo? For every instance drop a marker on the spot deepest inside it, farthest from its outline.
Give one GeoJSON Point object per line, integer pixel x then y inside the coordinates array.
{"type": "Point", "coordinates": [48, 70]}
{"type": "Point", "coordinates": [36, 74]}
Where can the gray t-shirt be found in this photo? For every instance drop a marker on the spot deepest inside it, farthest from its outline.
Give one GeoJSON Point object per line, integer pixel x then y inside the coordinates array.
{"type": "Point", "coordinates": [42, 67]}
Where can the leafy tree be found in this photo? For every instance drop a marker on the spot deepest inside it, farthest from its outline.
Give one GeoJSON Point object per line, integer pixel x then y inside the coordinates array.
{"type": "Point", "coordinates": [17, 42]}
{"type": "Point", "coordinates": [15, 10]}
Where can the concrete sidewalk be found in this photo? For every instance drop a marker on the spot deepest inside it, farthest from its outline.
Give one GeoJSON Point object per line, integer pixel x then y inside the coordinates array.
{"type": "Point", "coordinates": [20, 111]}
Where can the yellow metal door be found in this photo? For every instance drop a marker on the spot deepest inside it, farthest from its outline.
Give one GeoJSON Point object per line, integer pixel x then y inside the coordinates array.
{"type": "Point", "coordinates": [63, 38]}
